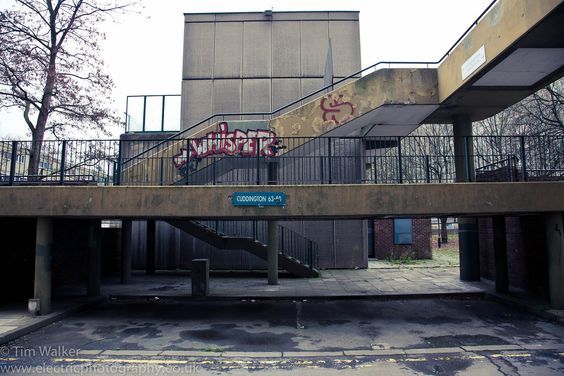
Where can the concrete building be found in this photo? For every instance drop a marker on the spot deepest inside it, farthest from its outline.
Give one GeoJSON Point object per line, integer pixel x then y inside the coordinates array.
{"type": "Point", "coordinates": [258, 62]}
{"type": "Point", "coordinates": [509, 53]}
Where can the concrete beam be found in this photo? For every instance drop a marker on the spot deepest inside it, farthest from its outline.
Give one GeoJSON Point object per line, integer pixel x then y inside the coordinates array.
{"type": "Point", "coordinates": [307, 201]}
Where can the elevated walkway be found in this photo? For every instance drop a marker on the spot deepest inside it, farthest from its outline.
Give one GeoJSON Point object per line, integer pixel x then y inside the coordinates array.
{"type": "Point", "coordinates": [303, 202]}
{"type": "Point", "coordinates": [512, 50]}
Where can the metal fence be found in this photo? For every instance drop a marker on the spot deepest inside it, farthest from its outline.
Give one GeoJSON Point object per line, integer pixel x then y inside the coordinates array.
{"type": "Point", "coordinates": [60, 162]}
{"type": "Point", "coordinates": [336, 160]}
{"type": "Point", "coordinates": [285, 160]}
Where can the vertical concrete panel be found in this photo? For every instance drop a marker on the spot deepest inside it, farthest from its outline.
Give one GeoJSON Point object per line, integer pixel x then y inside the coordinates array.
{"type": "Point", "coordinates": [228, 49]}
{"type": "Point", "coordinates": [315, 39]}
{"type": "Point", "coordinates": [286, 49]}
{"type": "Point", "coordinates": [284, 91]}
{"type": "Point", "coordinates": [226, 96]}
{"type": "Point", "coordinates": [196, 102]}
{"type": "Point", "coordinates": [350, 244]}
{"type": "Point", "coordinates": [256, 49]}
{"type": "Point", "coordinates": [321, 232]}
{"type": "Point", "coordinates": [198, 50]}
{"type": "Point", "coordinates": [345, 38]}
{"type": "Point", "coordinates": [309, 85]}
{"type": "Point", "coordinates": [256, 95]}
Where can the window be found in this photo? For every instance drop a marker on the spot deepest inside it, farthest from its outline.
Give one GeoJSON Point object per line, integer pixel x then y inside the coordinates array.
{"type": "Point", "coordinates": [45, 165]}
{"type": "Point", "coordinates": [403, 231]}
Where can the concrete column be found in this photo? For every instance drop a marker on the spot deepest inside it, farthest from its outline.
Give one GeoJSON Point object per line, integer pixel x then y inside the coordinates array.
{"type": "Point", "coordinates": [467, 227]}
{"type": "Point", "coordinates": [463, 146]}
{"type": "Point", "coordinates": [554, 228]}
{"type": "Point", "coordinates": [43, 264]}
{"type": "Point", "coordinates": [151, 247]}
{"type": "Point", "coordinates": [126, 233]}
{"type": "Point", "coordinates": [272, 252]}
{"type": "Point", "coordinates": [94, 259]}
{"type": "Point", "coordinates": [500, 254]}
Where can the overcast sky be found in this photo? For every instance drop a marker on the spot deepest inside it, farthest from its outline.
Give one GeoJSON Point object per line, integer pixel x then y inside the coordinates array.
{"type": "Point", "coordinates": [143, 50]}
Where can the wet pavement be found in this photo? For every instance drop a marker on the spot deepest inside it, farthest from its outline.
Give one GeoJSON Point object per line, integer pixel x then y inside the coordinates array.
{"type": "Point", "coordinates": [417, 336]}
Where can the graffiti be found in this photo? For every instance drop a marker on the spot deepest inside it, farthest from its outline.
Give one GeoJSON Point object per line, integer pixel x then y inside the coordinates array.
{"type": "Point", "coordinates": [336, 109]}
{"type": "Point", "coordinates": [248, 143]}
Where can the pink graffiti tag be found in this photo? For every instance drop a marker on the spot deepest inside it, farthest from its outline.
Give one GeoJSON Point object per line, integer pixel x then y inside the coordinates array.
{"type": "Point", "coordinates": [248, 143]}
{"type": "Point", "coordinates": [334, 108]}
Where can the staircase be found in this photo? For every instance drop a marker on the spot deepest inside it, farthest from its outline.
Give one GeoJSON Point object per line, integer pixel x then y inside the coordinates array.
{"type": "Point", "coordinates": [301, 263]}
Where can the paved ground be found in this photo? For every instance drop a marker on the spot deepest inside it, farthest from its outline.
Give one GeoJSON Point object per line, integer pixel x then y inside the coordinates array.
{"type": "Point", "coordinates": [404, 337]}
{"type": "Point", "coordinates": [360, 282]}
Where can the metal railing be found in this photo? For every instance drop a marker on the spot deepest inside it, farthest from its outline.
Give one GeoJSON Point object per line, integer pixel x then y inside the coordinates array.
{"type": "Point", "coordinates": [345, 160]}
{"type": "Point", "coordinates": [286, 160]}
{"type": "Point", "coordinates": [290, 243]}
{"type": "Point", "coordinates": [212, 119]}
{"type": "Point", "coordinates": [61, 162]}
{"type": "Point", "coordinates": [152, 113]}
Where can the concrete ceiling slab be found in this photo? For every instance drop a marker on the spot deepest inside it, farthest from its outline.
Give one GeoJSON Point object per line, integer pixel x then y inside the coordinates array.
{"type": "Point", "coordinates": [524, 67]}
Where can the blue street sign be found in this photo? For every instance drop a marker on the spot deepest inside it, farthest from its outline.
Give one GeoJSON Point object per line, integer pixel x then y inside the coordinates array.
{"type": "Point", "coordinates": [259, 199]}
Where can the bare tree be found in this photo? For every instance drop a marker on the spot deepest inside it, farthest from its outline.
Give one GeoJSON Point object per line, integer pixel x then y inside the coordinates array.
{"type": "Point", "coordinates": [51, 67]}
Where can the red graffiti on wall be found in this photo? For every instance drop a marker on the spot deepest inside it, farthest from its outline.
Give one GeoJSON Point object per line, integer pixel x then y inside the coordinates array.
{"type": "Point", "coordinates": [334, 108]}
{"type": "Point", "coordinates": [248, 143]}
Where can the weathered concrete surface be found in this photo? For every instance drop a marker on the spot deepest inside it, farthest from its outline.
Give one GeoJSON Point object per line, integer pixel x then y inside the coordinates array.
{"type": "Point", "coordinates": [504, 24]}
{"type": "Point", "coordinates": [313, 201]}
{"type": "Point", "coordinates": [350, 102]}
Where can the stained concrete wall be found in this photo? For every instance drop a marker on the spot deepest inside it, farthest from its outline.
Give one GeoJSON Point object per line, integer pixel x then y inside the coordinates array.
{"type": "Point", "coordinates": [249, 62]}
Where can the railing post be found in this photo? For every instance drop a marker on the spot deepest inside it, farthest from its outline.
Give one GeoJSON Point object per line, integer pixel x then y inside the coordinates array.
{"type": "Point", "coordinates": [144, 112]}
{"type": "Point", "coordinates": [163, 114]}
{"type": "Point", "coordinates": [427, 169]}
{"type": "Point", "coordinates": [523, 158]}
{"type": "Point", "coordinates": [13, 161]}
{"type": "Point", "coordinates": [213, 172]}
{"type": "Point", "coordinates": [187, 161]}
{"type": "Point", "coordinates": [330, 161]}
{"type": "Point", "coordinates": [375, 171]}
{"type": "Point", "coordinates": [62, 166]}
{"type": "Point", "coordinates": [258, 159]}
{"type": "Point", "coordinates": [400, 162]}
{"type": "Point", "coordinates": [467, 157]}
{"type": "Point", "coordinates": [117, 178]}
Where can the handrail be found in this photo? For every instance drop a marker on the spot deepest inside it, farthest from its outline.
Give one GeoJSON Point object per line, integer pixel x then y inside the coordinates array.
{"type": "Point", "coordinates": [330, 86]}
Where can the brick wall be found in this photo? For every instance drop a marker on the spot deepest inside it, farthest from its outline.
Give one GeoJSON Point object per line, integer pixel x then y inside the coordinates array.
{"type": "Point", "coordinates": [526, 252]}
{"type": "Point", "coordinates": [384, 246]}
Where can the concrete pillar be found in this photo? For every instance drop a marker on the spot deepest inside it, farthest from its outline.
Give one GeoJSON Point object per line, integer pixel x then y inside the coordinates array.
{"type": "Point", "coordinates": [500, 254]}
{"type": "Point", "coordinates": [43, 264]}
{"type": "Point", "coordinates": [467, 227]}
{"type": "Point", "coordinates": [151, 247]}
{"type": "Point", "coordinates": [126, 233]}
{"type": "Point", "coordinates": [554, 227]}
{"type": "Point", "coordinates": [94, 259]}
{"type": "Point", "coordinates": [463, 146]}
{"type": "Point", "coordinates": [272, 252]}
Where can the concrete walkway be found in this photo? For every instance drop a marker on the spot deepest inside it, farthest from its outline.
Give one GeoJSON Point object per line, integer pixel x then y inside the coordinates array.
{"type": "Point", "coordinates": [16, 321]}
{"type": "Point", "coordinates": [332, 283]}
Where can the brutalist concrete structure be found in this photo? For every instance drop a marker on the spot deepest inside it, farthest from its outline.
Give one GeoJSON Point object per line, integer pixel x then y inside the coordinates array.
{"type": "Point", "coordinates": [258, 62]}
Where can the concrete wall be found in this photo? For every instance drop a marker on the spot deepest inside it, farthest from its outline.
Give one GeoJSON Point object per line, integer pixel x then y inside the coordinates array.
{"type": "Point", "coordinates": [248, 62]}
